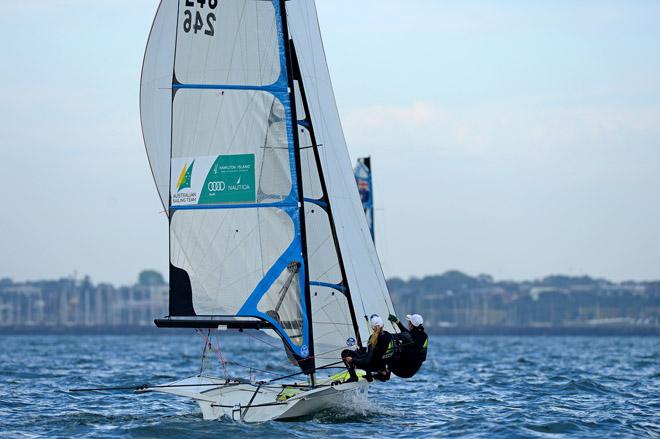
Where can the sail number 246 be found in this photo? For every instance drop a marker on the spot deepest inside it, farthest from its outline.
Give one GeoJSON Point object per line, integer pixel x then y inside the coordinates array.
{"type": "Point", "coordinates": [195, 22]}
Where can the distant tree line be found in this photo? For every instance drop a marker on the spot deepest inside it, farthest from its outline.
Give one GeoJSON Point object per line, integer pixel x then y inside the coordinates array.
{"type": "Point", "coordinates": [453, 302]}
{"type": "Point", "coordinates": [457, 300]}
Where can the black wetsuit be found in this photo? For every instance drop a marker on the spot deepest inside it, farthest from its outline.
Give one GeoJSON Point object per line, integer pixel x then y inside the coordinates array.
{"type": "Point", "coordinates": [412, 351]}
{"type": "Point", "coordinates": [373, 360]}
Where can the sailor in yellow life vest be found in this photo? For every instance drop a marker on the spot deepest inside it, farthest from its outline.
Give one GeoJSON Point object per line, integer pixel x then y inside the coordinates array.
{"type": "Point", "coordinates": [373, 360]}
{"type": "Point", "coordinates": [411, 345]}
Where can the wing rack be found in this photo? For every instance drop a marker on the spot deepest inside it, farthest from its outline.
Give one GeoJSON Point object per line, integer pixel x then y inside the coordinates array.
{"type": "Point", "coordinates": [230, 322]}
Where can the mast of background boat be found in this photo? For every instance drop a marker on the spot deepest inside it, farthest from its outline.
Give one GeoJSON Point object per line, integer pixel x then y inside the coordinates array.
{"type": "Point", "coordinates": [370, 203]}
{"type": "Point", "coordinates": [363, 165]}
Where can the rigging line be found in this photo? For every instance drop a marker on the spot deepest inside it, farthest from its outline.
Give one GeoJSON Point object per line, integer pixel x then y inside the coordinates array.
{"type": "Point", "coordinates": [217, 351]}
{"type": "Point", "coordinates": [148, 387]}
{"type": "Point", "coordinates": [206, 345]}
{"type": "Point", "coordinates": [222, 359]}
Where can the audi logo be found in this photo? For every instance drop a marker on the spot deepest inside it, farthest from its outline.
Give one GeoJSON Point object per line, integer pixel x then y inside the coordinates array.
{"type": "Point", "coordinates": [216, 186]}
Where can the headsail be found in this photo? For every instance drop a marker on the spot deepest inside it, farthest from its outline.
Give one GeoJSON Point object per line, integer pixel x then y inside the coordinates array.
{"type": "Point", "coordinates": [248, 156]}
{"type": "Point", "coordinates": [364, 279]}
{"type": "Point", "coordinates": [365, 188]}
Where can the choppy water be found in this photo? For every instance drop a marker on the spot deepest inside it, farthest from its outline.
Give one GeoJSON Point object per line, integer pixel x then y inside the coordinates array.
{"type": "Point", "coordinates": [470, 386]}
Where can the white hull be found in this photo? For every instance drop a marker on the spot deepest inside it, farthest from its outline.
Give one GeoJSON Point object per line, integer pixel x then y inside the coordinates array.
{"type": "Point", "coordinates": [247, 402]}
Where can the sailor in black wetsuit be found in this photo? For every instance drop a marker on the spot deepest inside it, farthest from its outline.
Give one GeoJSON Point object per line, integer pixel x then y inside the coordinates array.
{"type": "Point", "coordinates": [412, 344]}
{"type": "Point", "coordinates": [372, 360]}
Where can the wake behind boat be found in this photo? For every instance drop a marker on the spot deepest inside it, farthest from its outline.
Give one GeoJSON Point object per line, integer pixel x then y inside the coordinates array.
{"type": "Point", "coordinates": [266, 228]}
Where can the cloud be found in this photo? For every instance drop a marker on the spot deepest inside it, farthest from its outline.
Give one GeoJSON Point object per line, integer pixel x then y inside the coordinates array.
{"type": "Point", "coordinates": [526, 131]}
{"type": "Point", "coordinates": [421, 126]}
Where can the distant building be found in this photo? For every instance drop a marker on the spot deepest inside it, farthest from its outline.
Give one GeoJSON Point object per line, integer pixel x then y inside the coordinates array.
{"type": "Point", "coordinates": [67, 303]}
{"type": "Point", "coordinates": [451, 300]}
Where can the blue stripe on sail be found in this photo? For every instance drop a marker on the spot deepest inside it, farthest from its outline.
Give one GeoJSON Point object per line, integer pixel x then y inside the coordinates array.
{"type": "Point", "coordinates": [317, 202]}
{"type": "Point", "coordinates": [232, 206]}
{"type": "Point", "coordinates": [277, 87]}
{"type": "Point", "coordinates": [292, 254]}
{"type": "Point", "coordinates": [304, 123]}
{"type": "Point", "coordinates": [329, 285]}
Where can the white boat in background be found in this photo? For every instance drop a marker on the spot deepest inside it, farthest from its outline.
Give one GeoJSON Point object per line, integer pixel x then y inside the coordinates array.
{"type": "Point", "coordinates": [266, 228]}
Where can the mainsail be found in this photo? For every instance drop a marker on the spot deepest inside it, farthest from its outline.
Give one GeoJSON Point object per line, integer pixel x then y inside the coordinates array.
{"type": "Point", "coordinates": [249, 159]}
{"type": "Point", "coordinates": [365, 189]}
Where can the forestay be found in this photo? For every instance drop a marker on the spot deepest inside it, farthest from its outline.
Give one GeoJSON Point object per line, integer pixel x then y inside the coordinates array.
{"type": "Point", "coordinates": [248, 156]}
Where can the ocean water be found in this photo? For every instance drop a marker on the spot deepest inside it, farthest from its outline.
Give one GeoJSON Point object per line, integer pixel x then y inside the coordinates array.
{"type": "Point", "coordinates": [469, 387]}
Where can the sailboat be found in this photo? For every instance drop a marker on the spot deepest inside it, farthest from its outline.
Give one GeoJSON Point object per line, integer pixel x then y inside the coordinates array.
{"type": "Point", "coordinates": [266, 227]}
{"type": "Point", "coordinates": [362, 172]}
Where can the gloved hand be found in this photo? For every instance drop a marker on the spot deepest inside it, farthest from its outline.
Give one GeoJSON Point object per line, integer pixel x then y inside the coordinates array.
{"type": "Point", "coordinates": [392, 318]}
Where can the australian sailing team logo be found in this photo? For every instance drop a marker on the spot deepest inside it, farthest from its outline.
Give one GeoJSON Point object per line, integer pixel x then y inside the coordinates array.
{"type": "Point", "coordinates": [185, 182]}
{"type": "Point", "coordinates": [185, 177]}
{"type": "Point", "coordinates": [226, 178]}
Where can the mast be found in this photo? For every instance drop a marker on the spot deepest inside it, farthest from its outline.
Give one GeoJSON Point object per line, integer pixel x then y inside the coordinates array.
{"type": "Point", "coordinates": [288, 43]}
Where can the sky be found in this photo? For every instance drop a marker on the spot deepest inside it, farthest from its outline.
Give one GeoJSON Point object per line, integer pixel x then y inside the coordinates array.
{"type": "Point", "coordinates": [514, 138]}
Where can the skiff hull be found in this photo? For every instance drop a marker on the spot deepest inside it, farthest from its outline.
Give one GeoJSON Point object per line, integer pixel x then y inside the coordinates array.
{"type": "Point", "coordinates": [246, 402]}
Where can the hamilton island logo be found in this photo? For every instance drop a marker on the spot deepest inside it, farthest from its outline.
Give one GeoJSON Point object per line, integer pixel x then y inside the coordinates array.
{"type": "Point", "coordinates": [185, 177]}
{"type": "Point", "coordinates": [231, 179]}
{"type": "Point", "coordinates": [350, 342]}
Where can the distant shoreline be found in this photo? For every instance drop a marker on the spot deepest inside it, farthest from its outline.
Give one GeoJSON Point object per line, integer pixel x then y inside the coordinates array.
{"type": "Point", "coordinates": [548, 331]}
{"type": "Point", "coordinates": [448, 331]}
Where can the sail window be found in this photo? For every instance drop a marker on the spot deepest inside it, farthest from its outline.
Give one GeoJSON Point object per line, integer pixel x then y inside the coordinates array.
{"type": "Point", "coordinates": [245, 128]}
{"type": "Point", "coordinates": [226, 253]}
{"type": "Point", "coordinates": [281, 303]}
{"type": "Point", "coordinates": [311, 181]}
{"type": "Point", "coordinates": [235, 43]}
